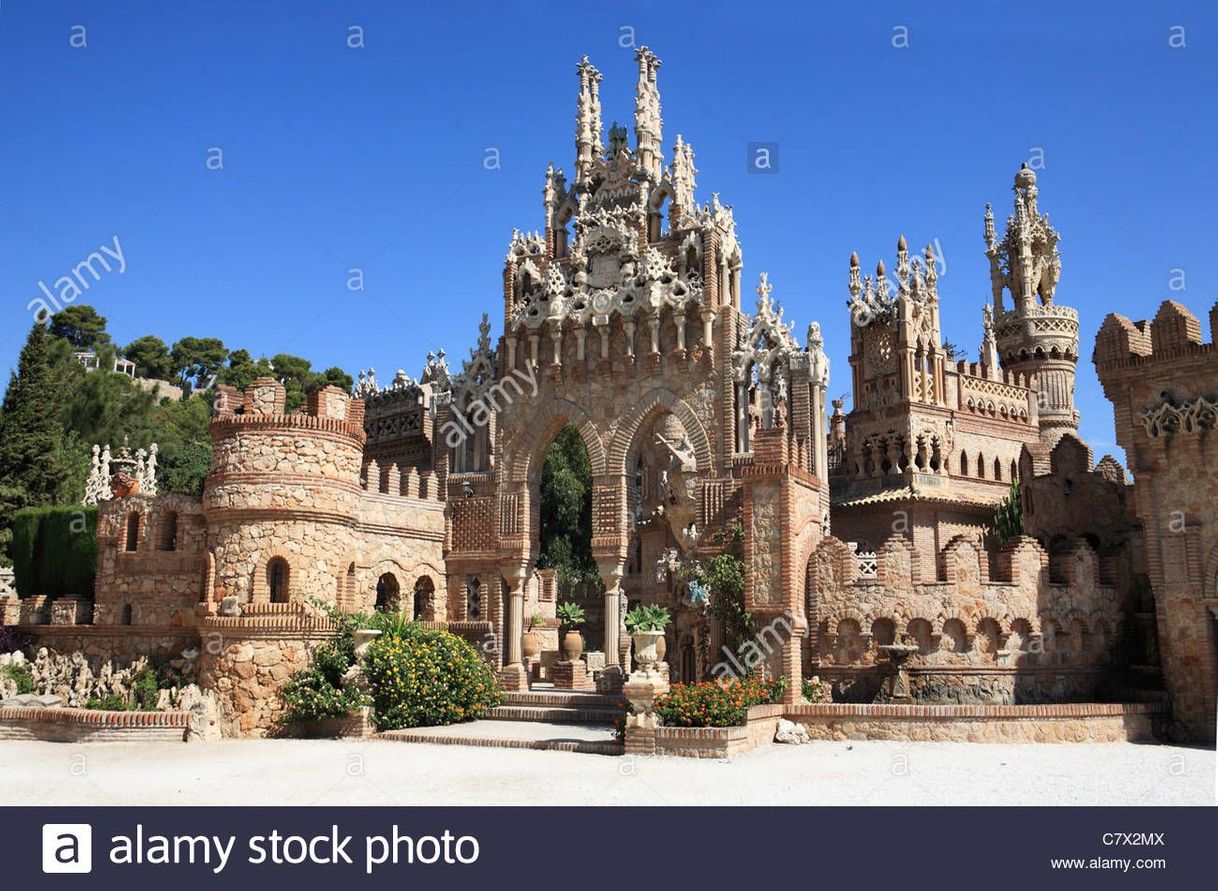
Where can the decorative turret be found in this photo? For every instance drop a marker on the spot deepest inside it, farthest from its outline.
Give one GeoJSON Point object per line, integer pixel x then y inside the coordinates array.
{"type": "Point", "coordinates": [647, 124]}
{"type": "Point", "coordinates": [1036, 336]}
{"type": "Point", "coordinates": [588, 145]}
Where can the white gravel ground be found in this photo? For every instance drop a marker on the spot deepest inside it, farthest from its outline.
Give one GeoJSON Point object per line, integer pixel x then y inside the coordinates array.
{"type": "Point", "coordinates": [291, 772]}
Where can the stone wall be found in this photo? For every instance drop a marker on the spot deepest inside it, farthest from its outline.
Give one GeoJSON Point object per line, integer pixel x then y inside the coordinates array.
{"type": "Point", "coordinates": [980, 723]}
{"type": "Point", "coordinates": [1163, 384]}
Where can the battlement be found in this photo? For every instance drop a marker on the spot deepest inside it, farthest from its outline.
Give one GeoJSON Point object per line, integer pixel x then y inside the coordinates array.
{"type": "Point", "coordinates": [263, 405]}
{"type": "Point", "coordinates": [1175, 333]}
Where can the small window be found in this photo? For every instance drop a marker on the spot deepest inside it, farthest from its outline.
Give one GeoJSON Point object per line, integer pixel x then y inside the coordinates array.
{"type": "Point", "coordinates": [167, 538]}
{"type": "Point", "coordinates": [388, 594]}
{"type": "Point", "coordinates": [126, 614]}
{"type": "Point", "coordinates": [133, 531]}
{"type": "Point", "coordinates": [277, 579]}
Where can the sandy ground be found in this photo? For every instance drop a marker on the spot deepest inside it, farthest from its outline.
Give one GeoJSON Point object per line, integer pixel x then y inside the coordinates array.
{"type": "Point", "coordinates": [291, 772]}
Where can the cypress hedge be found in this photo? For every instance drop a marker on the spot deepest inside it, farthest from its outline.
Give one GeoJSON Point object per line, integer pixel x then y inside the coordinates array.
{"type": "Point", "coordinates": [54, 550]}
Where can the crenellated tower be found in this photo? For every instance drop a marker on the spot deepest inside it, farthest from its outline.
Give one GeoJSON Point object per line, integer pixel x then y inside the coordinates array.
{"type": "Point", "coordinates": [1035, 336]}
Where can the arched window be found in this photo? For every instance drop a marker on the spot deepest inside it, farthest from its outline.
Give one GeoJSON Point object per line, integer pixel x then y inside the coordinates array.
{"type": "Point", "coordinates": [997, 469]}
{"type": "Point", "coordinates": [277, 579]}
{"type": "Point", "coordinates": [133, 530]}
{"type": "Point", "coordinates": [657, 225]}
{"type": "Point", "coordinates": [126, 614]}
{"type": "Point", "coordinates": [963, 464]}
{"type": "Point", "coordinates": [388, 593]}
{"type": "Point", "coordinates": [167, 535]}
{"type": "Point", "coordinates": [424, 599]}
{"type": "Point", "coordinates": [980, 466]}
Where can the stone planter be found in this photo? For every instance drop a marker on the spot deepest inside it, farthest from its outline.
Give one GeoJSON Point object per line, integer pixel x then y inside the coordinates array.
{"type": "Point", "coordinates": [572, 646]}
{"type": "Point", "coordinates": [530, 644]}
{"type": "Point", "coordinates": [646, 648]}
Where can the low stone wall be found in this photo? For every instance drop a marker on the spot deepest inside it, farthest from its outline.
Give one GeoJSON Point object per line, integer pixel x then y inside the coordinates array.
{"type": "Point", "coordinates": [120, 643]}
{"type": "Point", "coordinates": [85, 725]}
{"type": "Point", "coordinates": [718, 742]}
{"type": "Point", "coordinates": [247, 660]}
{"type": "Point", "coordinates": [1080, 722]}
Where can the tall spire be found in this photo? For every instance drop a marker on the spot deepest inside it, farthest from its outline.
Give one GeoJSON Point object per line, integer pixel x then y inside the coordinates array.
{"type": "Point", "coordinates": [588, 126]}
{"type": "Point", "coordinates": [647, 123]}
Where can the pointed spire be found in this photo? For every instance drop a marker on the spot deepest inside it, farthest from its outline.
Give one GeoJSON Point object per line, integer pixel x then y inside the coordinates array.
{"type": "Point", "coordinates": [647, 122]}
{"type": "Point", "coordinates": [587, 120]}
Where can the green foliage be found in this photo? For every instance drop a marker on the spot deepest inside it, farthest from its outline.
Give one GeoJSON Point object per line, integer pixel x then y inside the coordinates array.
{"type": "Point", "coordinates": [1008, 516]}
{"type": "Point", "coordinates": [32, 460]}
{"type": "Point", "coordinates": [566, 511]}
{"type": "Point", "coordinates": [198, 359]}
{"type": "Point", "coordinates": [151, 358]}
{"type": "Point", "coordinates": [537, 620]}
{"type": "Point", "coordinates": [723, 577]}
{"type": "Point", "coordinates": [22, 676]}
{"type": "Point", "coordinates": [426, 678]}
{"type": "Point", "coordinates": [81, 325]}
{"type": "Point", "coordinates": [111, 702]}
{"type": "Point", "coordinates": [145, 690]}
{"type": "Point", "coordinates": [317, 693]}
{"type": "Point", "coordinates": [54, 550]}
{"type": "Point", "coordinates": [242, 370]}
{"type": "Point", "coordinates": [714, 703]}
{"type": "Point", "coordinates": [571, 614]}
{"type": "Point", "coordinates": [815, 690]}
{"type": "Point", "coordinates": [651, 617]}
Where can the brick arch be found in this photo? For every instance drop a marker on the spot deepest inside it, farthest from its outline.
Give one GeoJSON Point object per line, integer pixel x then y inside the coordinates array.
{"type": "Point", "coordinates": [658, 400]}
{"type": "Point", "coordinates": [260, 589]}
{"type": "Point", "coordinates": [522, 457]}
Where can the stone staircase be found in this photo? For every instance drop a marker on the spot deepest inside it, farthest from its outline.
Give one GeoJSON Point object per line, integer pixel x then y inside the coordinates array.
{"type": "Point", "coordinates": [558, 706]}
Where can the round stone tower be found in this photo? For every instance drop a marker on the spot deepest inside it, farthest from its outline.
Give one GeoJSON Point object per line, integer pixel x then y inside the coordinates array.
{"type": "Point", "coordinates": [1035, 336]}
{"type": "Point", "coordinates": [282, 499]}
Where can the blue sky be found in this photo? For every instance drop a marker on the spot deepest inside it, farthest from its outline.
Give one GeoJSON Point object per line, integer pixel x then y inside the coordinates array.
{"type": "Point", "coordinates": [373, 158]}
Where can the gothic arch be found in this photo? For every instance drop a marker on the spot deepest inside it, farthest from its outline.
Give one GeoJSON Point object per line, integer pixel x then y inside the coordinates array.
{"type": "Point", "coordinates": [659, 399]}
{"type": "Point", "coordinates": [523, 458]}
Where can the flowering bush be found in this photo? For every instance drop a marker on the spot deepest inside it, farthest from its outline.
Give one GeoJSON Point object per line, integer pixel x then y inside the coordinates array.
{"type": "Point", "coordinates": [715, 703]}
{"type": "Point", "coordinates": [816, 690]}
{"type": "Point", "coordinates": [423, 678]}
{"type": "Point", "coordinates": [317, 693]}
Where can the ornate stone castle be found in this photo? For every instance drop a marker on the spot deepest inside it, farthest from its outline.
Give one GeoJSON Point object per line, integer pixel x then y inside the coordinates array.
{"type": "Point", "coordinates": [867, 535]}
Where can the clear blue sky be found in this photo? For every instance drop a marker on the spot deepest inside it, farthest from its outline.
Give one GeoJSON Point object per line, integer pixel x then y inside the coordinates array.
{"type": "Point", "coordinates": [373, 158]}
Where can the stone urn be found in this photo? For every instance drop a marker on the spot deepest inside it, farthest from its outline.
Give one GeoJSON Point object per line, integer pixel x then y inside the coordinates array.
{"type": "Point", "coordinates": [530, 644]}
{"type": "Point", "coordinates": [363, 639]}
{"type": "Point", "coordinates": [646, 648]}
{"type": "Point", "coordinates": [124, 485]}
{"type": "Point", "coordinates": [572, 646]}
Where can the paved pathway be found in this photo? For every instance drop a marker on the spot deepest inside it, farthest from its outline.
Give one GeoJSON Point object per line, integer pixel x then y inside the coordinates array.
{"type": "Point", "coordinates": [308, 772]}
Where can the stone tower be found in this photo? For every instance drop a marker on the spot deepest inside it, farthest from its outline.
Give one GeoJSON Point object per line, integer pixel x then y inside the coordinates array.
{"type": "Point", "coordinates": [1035, 336]}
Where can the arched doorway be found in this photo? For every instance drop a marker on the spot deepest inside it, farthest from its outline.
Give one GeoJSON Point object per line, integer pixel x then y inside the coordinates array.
{"type": "Point", "coordinates": [424, 599]}
{"type": "Point", "coordinates": [388, 594]}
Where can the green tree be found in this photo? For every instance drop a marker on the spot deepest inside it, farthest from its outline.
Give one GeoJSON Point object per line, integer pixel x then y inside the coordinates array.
{"type": "Point", "coordinates": [31, 460]}
{"type": "Point", "coordinates": [566, 510]}
{"type": "Point", "coordinates": [198, 359]}
{"type": "Point", "coordinates": [81, 325]}
{"type": "Point", "coordinates": [151, 357]}
{"type": "Point", "coordinates": [296, 375]}
{"type": "Point", "coordinates": [242, 370]}
{"type": "Point", "coordinates": [334, 377]}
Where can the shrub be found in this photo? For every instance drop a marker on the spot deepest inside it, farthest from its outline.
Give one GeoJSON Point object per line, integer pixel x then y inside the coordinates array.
{"type": "Point", "coordinates": [317, 693]}
{"type": "Point", "coordinates": [145, 690]}
{"type": "Point", "coordinates": [426, 678]}
{"type": "Point", "coordinates": [21, 676]}
{"type": "Point", "coordinates": [112, 702]}
{"type": "Point", "coordinates": [816, 690]}
{"type": "Point", "coordinates": [715, 703]}
{"type": "Point", "coordinates": [652, 617]}
{"type": "Point", "coordinates": [54, 550]}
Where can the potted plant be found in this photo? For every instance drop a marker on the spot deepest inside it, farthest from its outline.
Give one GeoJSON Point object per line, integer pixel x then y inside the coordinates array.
{"type": "Point", "coordinates": [572, 616]}
{"type": "Point", "coordinates": [646, 625]}
{"type": "Point", "coordinates": [531, 641]}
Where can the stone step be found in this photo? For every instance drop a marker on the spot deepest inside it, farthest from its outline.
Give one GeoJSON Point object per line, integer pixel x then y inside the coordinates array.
{"type": "Point", "coordinates": [553, 714]}
{"type": "Point", "coordinates": [564, 699]}
{"type": "Point", "coordinates": [591, 740]}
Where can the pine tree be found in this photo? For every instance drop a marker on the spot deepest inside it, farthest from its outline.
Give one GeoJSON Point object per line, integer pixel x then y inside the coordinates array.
{"type": "Point", "coordinates": [31, 471]}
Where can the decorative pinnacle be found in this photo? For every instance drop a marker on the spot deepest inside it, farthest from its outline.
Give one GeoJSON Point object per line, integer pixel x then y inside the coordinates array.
{"type": "Point", "coordinates": [764, 287]}
{"type": "Point", "coordinates": [854, 259]}
{"type": "Point", "coordinates": [879, 269]}
{"type": "Point", "coordinates": [901, 243]}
